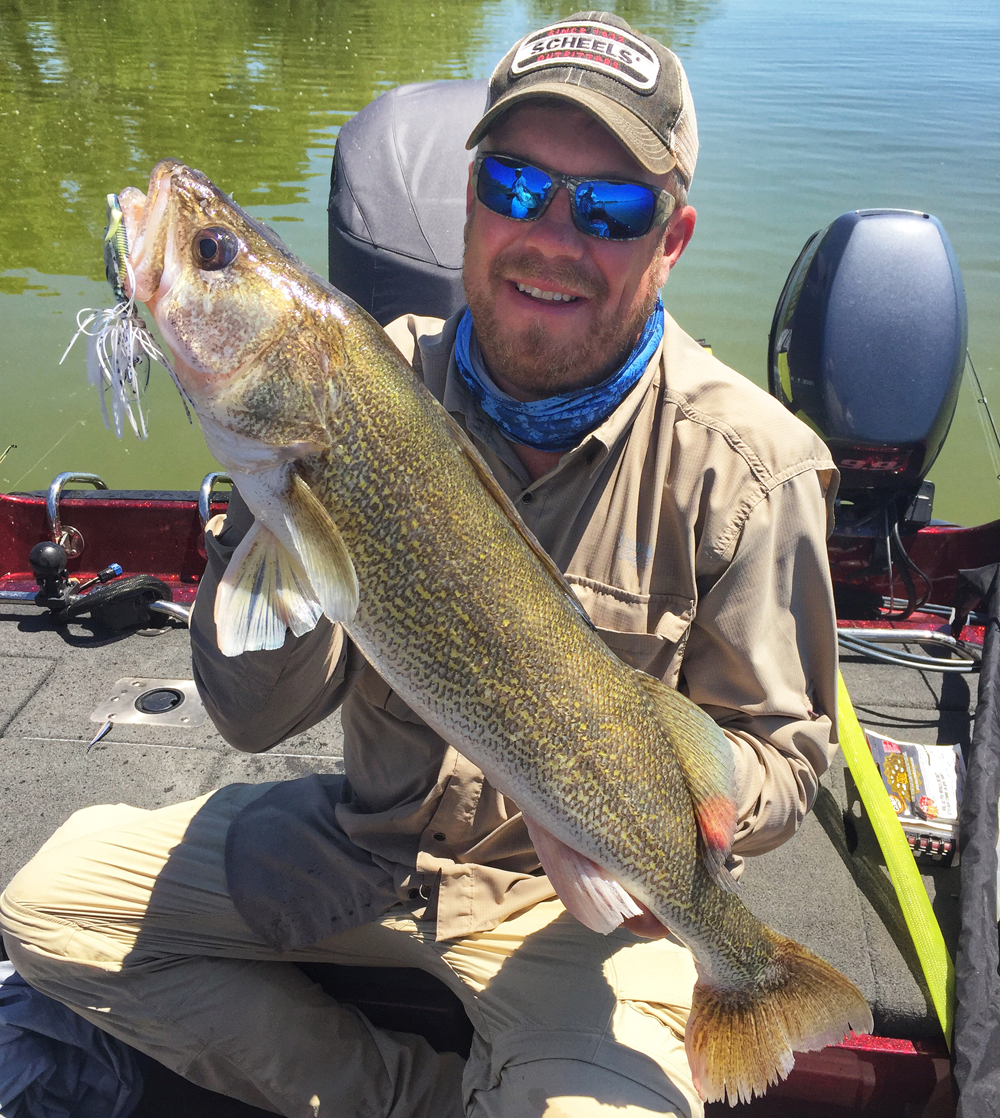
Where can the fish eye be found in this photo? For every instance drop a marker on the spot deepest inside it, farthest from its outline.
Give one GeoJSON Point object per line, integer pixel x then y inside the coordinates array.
{"type": "Point", "coordinates": [215, 248]}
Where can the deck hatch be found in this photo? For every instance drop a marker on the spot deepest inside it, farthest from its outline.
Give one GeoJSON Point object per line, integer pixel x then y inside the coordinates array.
{"type": "Point", "coordinates": [154, 702]}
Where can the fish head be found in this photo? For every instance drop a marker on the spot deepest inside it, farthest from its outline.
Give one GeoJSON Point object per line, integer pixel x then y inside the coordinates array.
{"type": "Point", "coordinates": [221, 286]}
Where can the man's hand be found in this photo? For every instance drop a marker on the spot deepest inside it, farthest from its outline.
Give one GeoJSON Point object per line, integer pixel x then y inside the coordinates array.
{"type": "Point", "coordinates": [646, 925]}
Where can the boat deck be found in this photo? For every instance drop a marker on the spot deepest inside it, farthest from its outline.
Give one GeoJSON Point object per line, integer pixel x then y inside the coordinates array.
{"type": "Point", "coordinates": [827, 886]}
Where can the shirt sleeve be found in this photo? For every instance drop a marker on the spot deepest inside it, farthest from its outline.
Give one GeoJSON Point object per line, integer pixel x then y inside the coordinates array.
{"type": "Point", "coordinates": [761, 659]}
{"type": "Point", "coordinates": [259, 699]}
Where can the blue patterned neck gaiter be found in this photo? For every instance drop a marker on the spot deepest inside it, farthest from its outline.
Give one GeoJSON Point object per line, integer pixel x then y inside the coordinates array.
{"type": "Point", "coordinates": [558, 422]}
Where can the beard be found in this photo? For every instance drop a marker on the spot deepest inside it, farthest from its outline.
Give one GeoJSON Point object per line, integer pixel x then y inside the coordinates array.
{"type": "Point", "coordinates": [532, 360]}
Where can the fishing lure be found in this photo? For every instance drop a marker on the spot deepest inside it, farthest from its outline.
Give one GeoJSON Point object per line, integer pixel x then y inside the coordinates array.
{"type": "Point", "coordinates": [120, 347]}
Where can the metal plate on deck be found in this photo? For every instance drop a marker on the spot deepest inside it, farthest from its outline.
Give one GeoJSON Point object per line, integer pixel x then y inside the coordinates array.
{"type": "Point", "coordinates": [153, 702]}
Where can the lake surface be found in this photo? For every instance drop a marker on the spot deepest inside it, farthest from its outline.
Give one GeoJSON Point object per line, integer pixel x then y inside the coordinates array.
{"type": "Point", "coordinates": [806, 109]}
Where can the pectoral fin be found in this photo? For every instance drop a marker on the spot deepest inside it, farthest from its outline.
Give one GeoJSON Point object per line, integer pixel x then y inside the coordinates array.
{"type": "Point", "coordinates": [264, 591]}
{"type": "Point", "coordinates": [706, 761]}
{"type": "Point", "coordinates": [322, 551]}
{"type": "Point", "coordinates": [588, 892]}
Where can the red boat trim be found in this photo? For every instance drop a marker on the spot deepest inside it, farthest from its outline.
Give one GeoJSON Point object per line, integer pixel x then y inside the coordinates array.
{"type": "Point", "coordinates": [158, 534]}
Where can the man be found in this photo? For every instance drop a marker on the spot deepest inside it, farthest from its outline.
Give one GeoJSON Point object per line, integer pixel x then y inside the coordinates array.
{"type": "Point", "coordinates": [688, 511]}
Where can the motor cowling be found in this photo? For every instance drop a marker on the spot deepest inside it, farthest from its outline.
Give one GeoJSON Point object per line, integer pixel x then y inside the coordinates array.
{"type": "Point", "coordinates": [397, 199]}
{"type": "Point", "coordinates": [867, 346]}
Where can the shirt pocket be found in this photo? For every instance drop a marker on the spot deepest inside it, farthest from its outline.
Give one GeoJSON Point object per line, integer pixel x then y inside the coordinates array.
{"type": "Point", "coordinates": [647, 631]}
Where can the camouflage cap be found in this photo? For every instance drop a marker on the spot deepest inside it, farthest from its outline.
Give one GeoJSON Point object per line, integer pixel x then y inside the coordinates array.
{"type": "Point", "coordinates": [631, 83]}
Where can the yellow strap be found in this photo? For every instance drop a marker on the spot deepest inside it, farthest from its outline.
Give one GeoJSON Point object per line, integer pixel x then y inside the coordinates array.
{"type": "Point", "coordinates": [939, 970]}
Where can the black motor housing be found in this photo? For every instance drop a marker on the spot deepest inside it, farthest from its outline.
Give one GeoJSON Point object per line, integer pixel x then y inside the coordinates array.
{"type": "Point", "coordinates": [868, 345]}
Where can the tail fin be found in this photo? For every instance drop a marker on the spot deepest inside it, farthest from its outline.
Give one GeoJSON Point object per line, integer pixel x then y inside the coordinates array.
{"type": "Point", "coordinates": [741, 1040]}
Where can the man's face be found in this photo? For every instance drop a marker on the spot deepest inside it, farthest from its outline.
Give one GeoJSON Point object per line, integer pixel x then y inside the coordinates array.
{"type": "Point", "coordinates": [533, 346]}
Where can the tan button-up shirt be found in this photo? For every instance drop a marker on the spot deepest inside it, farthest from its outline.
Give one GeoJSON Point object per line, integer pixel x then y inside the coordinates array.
{"type": "Point", "coordinates": [692, 526]}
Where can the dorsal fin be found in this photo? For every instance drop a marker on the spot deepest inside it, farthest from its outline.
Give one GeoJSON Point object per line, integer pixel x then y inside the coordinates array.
{"type": "Point", "coordinates": [706, 761]}
{"type": "Point", "coordinates": [490, 484]}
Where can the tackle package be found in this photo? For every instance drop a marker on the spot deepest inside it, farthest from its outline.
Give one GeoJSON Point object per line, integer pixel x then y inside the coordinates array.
{"type": "Point", "coordinates": [924, 783]}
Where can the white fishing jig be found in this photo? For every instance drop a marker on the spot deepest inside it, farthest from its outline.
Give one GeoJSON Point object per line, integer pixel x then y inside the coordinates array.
{"type": "Point", "coordinates": [120, 346]}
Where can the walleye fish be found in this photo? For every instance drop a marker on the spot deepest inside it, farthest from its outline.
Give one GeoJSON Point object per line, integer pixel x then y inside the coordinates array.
{"type": "Point", "coordinates": [373, 508]}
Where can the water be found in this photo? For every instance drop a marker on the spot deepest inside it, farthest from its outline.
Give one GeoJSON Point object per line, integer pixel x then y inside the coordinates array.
{"type": "Point", "coordinates": [806, 109]}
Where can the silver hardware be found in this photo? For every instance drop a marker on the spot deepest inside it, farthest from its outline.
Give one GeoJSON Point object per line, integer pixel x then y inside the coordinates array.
{"type": "Point", "coordinates": [101, 734]}
{"type": "Point", "coordinates": [67, 537]}
{"type": "Point", "coordinates": [120, 706]}
{"type": "Point", "coordinates": [866, 642]}
{"type": "Point", "coordinates": [175, 610]}
{"type": "Point", "coordinates": [205, 493]}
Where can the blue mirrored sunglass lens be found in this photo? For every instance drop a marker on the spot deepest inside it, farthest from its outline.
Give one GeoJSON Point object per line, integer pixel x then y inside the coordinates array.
{"type": "Point", "coordinates": [615, 210]}
{"type": "Point", "coordinates": [512, 191]}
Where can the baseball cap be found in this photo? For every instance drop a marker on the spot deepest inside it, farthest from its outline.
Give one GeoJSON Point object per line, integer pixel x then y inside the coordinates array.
{"type": "Point", "coordinates": [632, 84]}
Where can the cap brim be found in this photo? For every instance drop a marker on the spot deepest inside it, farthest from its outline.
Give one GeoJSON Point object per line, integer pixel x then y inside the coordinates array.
{"type": "Point", "coordinates": [635, 136]}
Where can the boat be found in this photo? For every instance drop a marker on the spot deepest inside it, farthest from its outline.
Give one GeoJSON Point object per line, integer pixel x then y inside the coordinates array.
{"type": "Point", "coordinates": [96, 585]}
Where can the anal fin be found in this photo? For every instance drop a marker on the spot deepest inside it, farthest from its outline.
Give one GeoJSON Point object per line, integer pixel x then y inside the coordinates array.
{"type": "Point", "coordinates": [588, 892]}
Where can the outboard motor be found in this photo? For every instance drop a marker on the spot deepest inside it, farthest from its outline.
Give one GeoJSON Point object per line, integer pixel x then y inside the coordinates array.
{"type": "Point", "coordinates": [868, 345]}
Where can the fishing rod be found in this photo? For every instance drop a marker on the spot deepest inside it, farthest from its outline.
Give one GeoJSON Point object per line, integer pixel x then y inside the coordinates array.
{"type": "Point", "coordinates": [994, 446]}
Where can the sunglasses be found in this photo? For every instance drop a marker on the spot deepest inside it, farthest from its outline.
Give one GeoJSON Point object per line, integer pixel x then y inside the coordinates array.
{"type": "Point", "coordinates": [606, 208]}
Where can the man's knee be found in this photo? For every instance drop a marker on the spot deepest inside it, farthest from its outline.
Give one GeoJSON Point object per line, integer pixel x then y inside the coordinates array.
{"type": "Point", "coordinates": [34, 941]}
{"type": "Point", "coordinates": [63, 889]}
{"type": "Point", "coordinates": [24, 919]}
{"type": "Point", "coordinates": [562, 1088]}
{"type": "Point", "coordinates": [38, 890]}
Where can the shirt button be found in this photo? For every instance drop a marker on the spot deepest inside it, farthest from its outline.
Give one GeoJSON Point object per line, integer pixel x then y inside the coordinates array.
{"type": "Point", "coordinates": [527, 498]}
{"type": "Point", "coordinates": [439, 837]}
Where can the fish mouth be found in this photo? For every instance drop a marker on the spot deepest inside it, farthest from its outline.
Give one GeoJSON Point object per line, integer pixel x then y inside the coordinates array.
{"type": "Point", "coordinates": [146, 231]}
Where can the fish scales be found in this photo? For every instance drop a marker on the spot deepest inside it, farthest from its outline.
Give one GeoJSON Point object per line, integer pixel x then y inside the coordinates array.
{"type": "Point", "coordinates": [540, 707]}
{"type": "Point", "coordinates": [372, 507]}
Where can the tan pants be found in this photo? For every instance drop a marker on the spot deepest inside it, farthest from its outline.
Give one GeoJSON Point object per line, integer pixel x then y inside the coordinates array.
{"type": "Point", "coordinates": [124, 915]}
